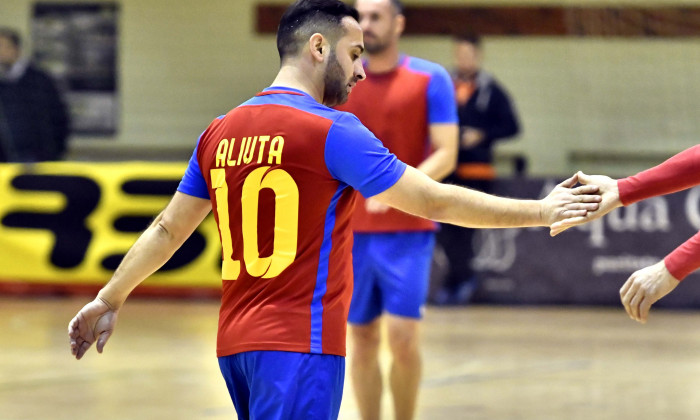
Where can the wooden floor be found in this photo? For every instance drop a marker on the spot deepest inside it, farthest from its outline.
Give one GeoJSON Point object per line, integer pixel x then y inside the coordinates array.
{"type": "Point", "coordinates": [480, 363]}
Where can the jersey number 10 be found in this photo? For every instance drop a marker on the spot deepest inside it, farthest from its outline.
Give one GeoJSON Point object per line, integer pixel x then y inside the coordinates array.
{"type": "Point", "coordinates": [286, 222]}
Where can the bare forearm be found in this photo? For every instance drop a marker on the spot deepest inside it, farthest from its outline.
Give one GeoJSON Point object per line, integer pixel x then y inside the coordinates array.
{"type": "Point", "coordinates": [150, 252]}
{"type": "Point", "coordinates": [439, 164]}
{"type": "Point", "coordinates": [417, 194]}
{"type": "Point", "coordinates": [470, 208]}
{"type": "Point", "coordinates": [444, 140]}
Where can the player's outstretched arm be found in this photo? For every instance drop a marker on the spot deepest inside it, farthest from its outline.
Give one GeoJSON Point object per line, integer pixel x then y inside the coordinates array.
{"type": "Point", "coordinates": [675, 174]}
{"type": "Point", "coordinates": [644, 288]}
{"type": "Point", "coordinates": [169, 230]}
{"type": "Point", "coordinates": [417, 194]}
{"type": "Point", "coordinates": [610, 200]}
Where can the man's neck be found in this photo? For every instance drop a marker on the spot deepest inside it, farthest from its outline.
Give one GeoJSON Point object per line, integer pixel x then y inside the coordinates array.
{"type": "Point", "coordinates": [385, 61]}
{"type": "Point", "coordinates": [294, 77]}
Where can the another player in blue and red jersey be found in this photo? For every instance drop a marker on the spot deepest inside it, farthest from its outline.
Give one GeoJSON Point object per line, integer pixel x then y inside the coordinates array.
{"type": "Point", "coordinates": [409, 104]}
{"type": "Point", "coordinates": [279, 172]}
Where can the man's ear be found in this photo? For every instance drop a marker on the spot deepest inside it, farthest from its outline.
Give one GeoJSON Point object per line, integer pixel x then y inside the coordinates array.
{"type": "Point", "coordinates": [400, 24]}
{"type": "Point", "coordinates": [318, 47]}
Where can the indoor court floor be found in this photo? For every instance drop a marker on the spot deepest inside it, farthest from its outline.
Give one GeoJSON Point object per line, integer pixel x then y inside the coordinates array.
{"type": "Point", "coordinates": [480, 362]}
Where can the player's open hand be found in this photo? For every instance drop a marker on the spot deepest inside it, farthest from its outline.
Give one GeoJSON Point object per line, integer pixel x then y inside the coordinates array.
{"type": "Point", "coordinates": [569, 202]}
{"type": "Point", "coordinates": [609, 200]}
{"type": "Point", "coordinates": [645, 287]}
{"type": "Point", "coordinates": [95, 322]}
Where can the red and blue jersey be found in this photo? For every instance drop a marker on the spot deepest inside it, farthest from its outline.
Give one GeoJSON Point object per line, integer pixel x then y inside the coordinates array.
{"type": "Point", "coordinates": [280, 171]}
{"type": "Point", "coordinates": [398, 107]}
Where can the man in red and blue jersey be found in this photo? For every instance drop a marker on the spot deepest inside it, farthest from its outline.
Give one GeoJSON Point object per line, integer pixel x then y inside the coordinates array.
{"type": "Point", "coordinates": [409, 104]}
{"type": "Point", "coordinates": [649, 284]}
{"type": "Point", "coordinates": [279, 172]}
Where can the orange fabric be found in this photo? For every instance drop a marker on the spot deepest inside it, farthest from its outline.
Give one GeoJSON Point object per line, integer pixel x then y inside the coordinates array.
{"type": "Point", "coordinates": [475, 171]}
{"type": "Point", "coordinates": [464, 91]}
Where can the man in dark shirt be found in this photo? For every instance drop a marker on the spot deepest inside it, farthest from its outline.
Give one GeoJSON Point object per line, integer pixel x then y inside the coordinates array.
{"type": "Point", "coordinates": [34, 123]}
{"type": "Point", "coordinates": [486, 115]}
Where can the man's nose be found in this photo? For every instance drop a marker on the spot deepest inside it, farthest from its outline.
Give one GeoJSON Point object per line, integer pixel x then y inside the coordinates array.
{"type": "Point", "coordinates": [360, 72]}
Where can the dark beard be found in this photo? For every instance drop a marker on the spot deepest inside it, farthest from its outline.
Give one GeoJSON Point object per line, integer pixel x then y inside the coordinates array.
{"type": "Point", "coordinates": [335, 91]}
{"type": "Point", "coordinates": [378, 45]}
{"type": "Point", "coordinates": [377, 48]}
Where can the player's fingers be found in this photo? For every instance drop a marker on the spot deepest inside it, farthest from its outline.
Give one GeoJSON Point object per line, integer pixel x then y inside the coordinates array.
{"type": "Point", "coordinates": [73, 328]}
{"type": "Point", "coordinates": [588, 206]}
{"type": "Point", "coordinates": [569, 182]}
{"type": "Point", "coordinates": [626, 294]}
{"type": "Point", "coordinates": [573, 214]}
{"type": "Point", "coordinates": [634, 304]}
{"type": "Point", "coordinates": [644, 307]}
{"type": "Point", "coordinates": [82, 349]}
{"type": "Point", "coordinates": [626, 287]}
{"type": "Point", "coordinates": [559, 227]}
{"type": "Point", "coordinates": [102, 340]}
{"type": "Point", "coordinates": [570, 222]}
{"type": "Point", "coordinates": [583, 178]}
{"type": "Point", "coordinates": [587, 191]}
{"type": "Point", "coordinates": [556, 230]}
{"type": "Point", "coordinates": [76, 344]}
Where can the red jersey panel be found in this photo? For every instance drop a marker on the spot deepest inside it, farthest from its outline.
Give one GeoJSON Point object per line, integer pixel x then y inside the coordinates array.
{"type": "Point", "coordinates": [398, 107]}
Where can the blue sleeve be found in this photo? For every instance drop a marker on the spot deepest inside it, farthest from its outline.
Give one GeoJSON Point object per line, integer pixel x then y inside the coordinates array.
{"type": "Point", "coordinates": [442, 106]}
{"type": "Point", "coordinates": [356, 157]}
{"type": "Point", "coordinates": [193, 182]}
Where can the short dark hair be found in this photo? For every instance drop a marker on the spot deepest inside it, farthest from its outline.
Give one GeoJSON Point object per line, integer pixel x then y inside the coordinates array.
{"type": "Point", "coordinates": [12, 35]}
{"type": "Point", "coordinates": [398, 5]}
{"type": "Point", "coordinates": [306, 17]}
{"type": "Point", "coordinates": [470, 38]}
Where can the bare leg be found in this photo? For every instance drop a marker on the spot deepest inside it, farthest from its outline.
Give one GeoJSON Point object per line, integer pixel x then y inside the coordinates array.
{"type": "Point", "coordinates": [406, 366]}
{"type": "Point", "coordinates": [365, 373]}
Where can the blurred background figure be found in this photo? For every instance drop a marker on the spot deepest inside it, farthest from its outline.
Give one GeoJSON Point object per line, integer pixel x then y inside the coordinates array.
{"type": "Point", "coordinates": [408, 103]}
{"type": "Point", "coordinates": [486, 115]}
{"type": "Point", "coordinates": [34, 122]}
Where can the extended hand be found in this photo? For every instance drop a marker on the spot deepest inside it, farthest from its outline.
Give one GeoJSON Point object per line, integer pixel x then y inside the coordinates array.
{"type": "Point", "coordinates": [94, 322]}
{"type": "Point", "coordinates": [645, 287]}
{"type": "Point", "coordinates": [610, 200]}
{"type": "Point", "coordinates": [568, 203]}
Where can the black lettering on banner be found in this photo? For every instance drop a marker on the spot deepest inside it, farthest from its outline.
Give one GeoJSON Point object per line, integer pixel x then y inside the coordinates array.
{"type": "Point", "coordinates": [68, 226]}
{"type": "Point", "coordinates": [188, 252]}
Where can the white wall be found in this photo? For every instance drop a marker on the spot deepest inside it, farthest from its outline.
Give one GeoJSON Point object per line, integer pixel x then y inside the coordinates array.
{"type": "Point", "coordinates": [184, 62]}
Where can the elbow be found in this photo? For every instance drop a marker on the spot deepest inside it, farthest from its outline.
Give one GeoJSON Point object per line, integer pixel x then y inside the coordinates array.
{"type": "Point", "coordinates": [164, 228]}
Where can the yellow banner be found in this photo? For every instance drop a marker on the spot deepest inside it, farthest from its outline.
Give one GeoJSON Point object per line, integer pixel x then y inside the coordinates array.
{"type": "Point", "coordinates": [71, 223]}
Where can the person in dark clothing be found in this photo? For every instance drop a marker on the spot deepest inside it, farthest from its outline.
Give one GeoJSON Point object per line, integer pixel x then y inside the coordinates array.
{"type": "Point", "coordinates": [34, 122]}
{"type": "Point", "coordinates": [486, 115]}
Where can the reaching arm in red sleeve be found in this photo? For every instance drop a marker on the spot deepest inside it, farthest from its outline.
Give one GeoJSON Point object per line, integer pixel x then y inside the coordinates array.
{"type": "Point", "coordinates": [678, 173]}
{"type": "Point", "coordinates": [685, 259]}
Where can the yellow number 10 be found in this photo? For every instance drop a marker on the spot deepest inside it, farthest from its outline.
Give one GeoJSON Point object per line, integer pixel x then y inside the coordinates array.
{"type": "Point", "coordinates": [286, 222]}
